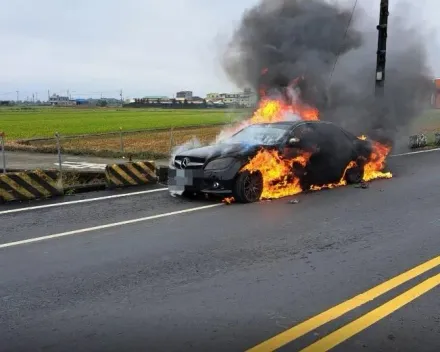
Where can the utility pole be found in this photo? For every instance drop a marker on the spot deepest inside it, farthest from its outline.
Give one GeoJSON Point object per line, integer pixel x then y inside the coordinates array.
{"type": "Point", "coordinates": [381, 48]}
{"type": "Point", "coordinates": [18, 95]}
{"type": "Point", "coordinates": [121, 97]}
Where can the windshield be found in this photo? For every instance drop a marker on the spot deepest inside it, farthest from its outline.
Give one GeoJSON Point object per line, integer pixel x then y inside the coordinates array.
{"type": "Point", "coordinates": [259, 134]}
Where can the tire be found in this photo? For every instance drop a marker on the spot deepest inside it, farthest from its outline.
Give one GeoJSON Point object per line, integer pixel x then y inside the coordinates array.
{"type": "Point", "coordinates": [248, 187]}
{"type": "Point", "coordinates": [354, 175]}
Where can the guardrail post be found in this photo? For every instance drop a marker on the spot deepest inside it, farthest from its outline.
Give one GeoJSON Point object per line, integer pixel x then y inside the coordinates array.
{"type": "Point", "coordinates": [121, 140]}
{"type": "Point", "coordinates": [60, 161]}
{"type": "Point", "coordinates": [2, 137]}
{"type": "Point", "coordinates": [171, 140]}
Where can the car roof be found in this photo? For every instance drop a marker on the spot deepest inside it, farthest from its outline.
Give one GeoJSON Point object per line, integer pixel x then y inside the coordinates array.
{"type": "Point", "coordinates": [293, 123]}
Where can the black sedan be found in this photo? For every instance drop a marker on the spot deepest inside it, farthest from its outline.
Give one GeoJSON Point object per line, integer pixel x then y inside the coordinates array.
{"type": "Point", "coordinates": [216, 168]}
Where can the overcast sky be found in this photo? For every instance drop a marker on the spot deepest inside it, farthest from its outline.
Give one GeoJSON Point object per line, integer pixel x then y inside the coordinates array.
{"type": "Point", "coordinates": [145, 47]}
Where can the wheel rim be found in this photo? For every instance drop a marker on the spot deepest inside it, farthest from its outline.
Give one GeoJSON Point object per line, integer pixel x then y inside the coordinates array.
{"type": "Point", "coordinates": [253, 184]}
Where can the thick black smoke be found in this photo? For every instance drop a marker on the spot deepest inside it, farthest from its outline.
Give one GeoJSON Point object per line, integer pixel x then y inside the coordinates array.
{"type": "Point", "coordinates": [280, 40]}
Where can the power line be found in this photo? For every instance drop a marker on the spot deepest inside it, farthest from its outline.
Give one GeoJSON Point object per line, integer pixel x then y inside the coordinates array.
{"type": "Point", "coordinates": [330, 79]}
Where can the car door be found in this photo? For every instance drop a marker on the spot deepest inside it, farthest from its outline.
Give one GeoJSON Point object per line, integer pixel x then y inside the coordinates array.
{"type": "Point", "coordinates": [306, 135]}
{"type": "Point", "coordinates": [334, 154]}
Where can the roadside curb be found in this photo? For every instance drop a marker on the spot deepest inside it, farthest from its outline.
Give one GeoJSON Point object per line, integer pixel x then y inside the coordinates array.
{"type": "Point", "coordinates": [85, 188]}
{"type": "Point", "coordinates": [25, 185]}
{"type": "Point", "coordinates": [29, 185]}
{"type": "Point", "coordinates": [131, 174]}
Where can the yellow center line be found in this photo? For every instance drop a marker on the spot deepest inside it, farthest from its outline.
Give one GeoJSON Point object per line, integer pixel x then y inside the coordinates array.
{"type": "Point", "coordinates": [335, 312]}
{"type": "Point", "coordinates": [355, 327]}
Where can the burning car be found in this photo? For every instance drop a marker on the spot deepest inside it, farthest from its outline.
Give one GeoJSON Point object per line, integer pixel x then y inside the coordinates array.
{"type": "Point", "coordinates": [277, 158]}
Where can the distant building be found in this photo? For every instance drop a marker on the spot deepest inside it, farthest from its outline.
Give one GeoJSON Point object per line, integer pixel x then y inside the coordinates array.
{"type": "Point", "coordinates": [213, 96]}
{"type": "Point", "coordinates": [156, 97]}
{"type": "Point", "coordinates": [81, 101]}
{"type": "Point", "coordinates": [185, 94]}
{"type": "Point", "coordinates": [61, 101]}
{"type": "Point", "coordinates": [247, 98]}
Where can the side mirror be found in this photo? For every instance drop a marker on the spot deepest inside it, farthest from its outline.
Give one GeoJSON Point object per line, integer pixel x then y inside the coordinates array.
{"type": "Point", "coordinates": [293, 141]}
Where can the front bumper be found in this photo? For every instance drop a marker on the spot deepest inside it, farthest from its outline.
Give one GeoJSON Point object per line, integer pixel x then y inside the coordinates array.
{"type": "Point", "coordinates": [204, 181]}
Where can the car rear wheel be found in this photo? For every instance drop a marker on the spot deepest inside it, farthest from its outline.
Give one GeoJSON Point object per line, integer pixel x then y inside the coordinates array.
{"type": "Point", "coordinates": [248, 187]}
{"type": "Point", "coordinates": [354, 175]}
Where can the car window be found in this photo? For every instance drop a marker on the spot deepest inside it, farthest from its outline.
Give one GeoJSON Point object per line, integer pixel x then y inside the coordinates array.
{"type": "Point", "coordinates": [259, 134]}
{"type": "Point", "coordinates": [303, 130]}
{"type": "Point", "coordinates": [331, 132]}
{"type": "Point", "coordinates": [308, 136]}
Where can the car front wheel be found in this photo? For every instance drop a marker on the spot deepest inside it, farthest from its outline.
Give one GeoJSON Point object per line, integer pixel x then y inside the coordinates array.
{"type": "Point", "coordinates": [354, 175]}
{"type": "Point", "coordinates": [248, 187]}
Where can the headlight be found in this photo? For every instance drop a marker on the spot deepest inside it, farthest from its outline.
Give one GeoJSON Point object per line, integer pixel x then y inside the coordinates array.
{"type": "Point", "coordinates": [219, 164]}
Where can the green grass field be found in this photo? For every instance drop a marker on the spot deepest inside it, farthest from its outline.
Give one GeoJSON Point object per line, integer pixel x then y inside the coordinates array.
{"type": "Point", "coordinates": [44, 122]}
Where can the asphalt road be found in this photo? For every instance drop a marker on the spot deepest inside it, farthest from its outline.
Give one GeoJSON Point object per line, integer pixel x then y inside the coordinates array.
{"type": "Point", "coordinates": [224, 278]}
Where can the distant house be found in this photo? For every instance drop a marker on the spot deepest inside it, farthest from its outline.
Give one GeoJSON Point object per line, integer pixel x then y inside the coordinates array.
{"type": "Point", "coordinates": [184, 95]}
{"type": "Point", "coordinates": [61, 101]}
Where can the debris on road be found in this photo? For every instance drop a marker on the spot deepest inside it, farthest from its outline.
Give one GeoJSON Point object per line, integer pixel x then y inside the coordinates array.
{"type": "Point", "coordinates": [363, 185]}
{"type": "Point", "coordinates": [228, 200]}
{"type": "Point", "coordinates": [294, 201]}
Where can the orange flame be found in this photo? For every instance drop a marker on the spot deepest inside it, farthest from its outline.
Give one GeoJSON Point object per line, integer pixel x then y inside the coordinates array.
{"type": "Point", "coordinates": [375, 165]}
{"type": "Point", "coordinates": [229, 200]}
{"type": "Point", "coordinates": [277, 172]}
{"type": "Point", "coordinates": [278, 180]}
{"type": "Point", "coordinates": [271, 110]}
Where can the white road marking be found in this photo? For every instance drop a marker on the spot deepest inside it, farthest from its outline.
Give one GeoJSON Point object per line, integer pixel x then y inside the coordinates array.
{"type": "Point", "coordinates": [101, 227]}
{"type": "Point", "coordinates": [82, 201]}
{"type": "Point", "coordinates": [417, 152]}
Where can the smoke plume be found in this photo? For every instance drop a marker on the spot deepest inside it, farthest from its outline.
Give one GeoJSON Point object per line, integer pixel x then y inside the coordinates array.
{"type": "Point", "coordinates": [332, 50]}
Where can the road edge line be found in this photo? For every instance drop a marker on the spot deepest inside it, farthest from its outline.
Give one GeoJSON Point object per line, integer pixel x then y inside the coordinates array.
{"type": "Point", "coordinates": [88, 200]}
{"type": "Point", "coordinates": [101, 227]}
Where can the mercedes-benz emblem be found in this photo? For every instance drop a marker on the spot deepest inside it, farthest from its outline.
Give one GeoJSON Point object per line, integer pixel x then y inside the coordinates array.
{"type": "Point", "coordinates": [185, 163]}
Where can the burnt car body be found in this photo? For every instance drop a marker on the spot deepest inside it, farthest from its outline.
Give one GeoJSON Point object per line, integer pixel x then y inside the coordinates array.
{"type": "Point", "coordinates": [216, 168]}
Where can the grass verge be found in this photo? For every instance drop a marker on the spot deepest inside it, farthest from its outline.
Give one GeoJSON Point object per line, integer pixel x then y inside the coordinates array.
{"type": "Point", "coordinates": [145, 144]}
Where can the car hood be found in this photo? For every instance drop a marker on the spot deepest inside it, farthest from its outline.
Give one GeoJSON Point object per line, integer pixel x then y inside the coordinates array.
{"type": "Point", "coordinates": [215, 151]}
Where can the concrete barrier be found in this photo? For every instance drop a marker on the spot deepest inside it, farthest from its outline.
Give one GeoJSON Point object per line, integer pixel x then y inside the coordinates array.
{"type": "Point", "coordinates": [28, 185]}
{"type": "Point", "coordinates": [131, 174]}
